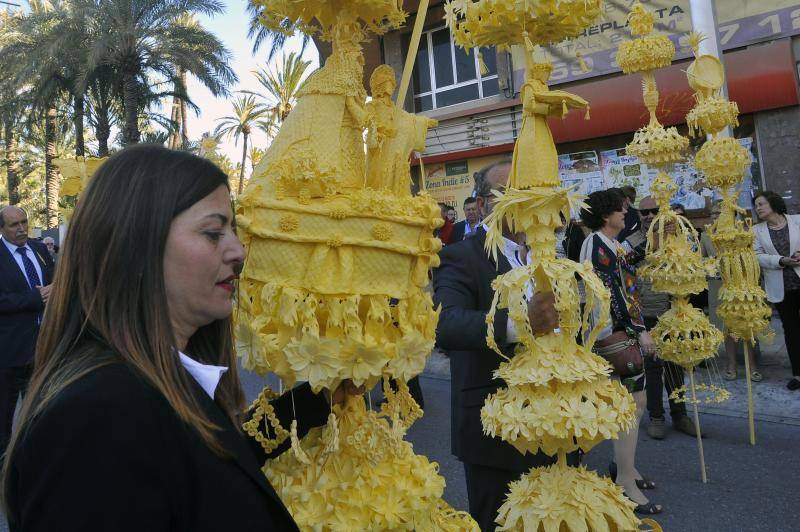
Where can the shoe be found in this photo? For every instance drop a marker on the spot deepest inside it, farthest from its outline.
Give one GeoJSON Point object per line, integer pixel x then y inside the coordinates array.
{"type": "Point", "coordinates": [730, 375]}
{"type": "Point", "coordinates": [793, 384]}
{"type": "Point", "coordinates": [641, 483]}
{"type": "Point", "coordinates": [756, 376]}
{"type": "Point", "coordinates": [650, 508]}
{"type": "Point", "coordinates": [686, 425]}
{"type": "Point", "coordinates": [656, 428]}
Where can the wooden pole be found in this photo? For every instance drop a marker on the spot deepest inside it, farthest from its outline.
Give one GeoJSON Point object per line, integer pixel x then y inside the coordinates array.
{"type": "Point", "coordinates": [413, 46]}
{"type": "Point", "coordinates": [697, 428]}
{"type": "Point", "coordinates": [750, 409]}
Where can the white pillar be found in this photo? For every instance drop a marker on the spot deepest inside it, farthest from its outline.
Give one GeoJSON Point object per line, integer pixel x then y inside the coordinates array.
{"type": "Point", "coordinates": [704, 20]}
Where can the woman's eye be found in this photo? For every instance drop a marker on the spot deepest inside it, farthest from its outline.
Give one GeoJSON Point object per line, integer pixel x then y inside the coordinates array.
{"type": "Point", "coordinates": [214, 236]}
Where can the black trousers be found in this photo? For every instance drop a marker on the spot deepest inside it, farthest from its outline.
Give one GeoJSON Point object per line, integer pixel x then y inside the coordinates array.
{"type": "Point", "coordinates": [789, 311]}
{"type": "Point", "coordinates": [487, 488]}
{"type": "Point", "coordinates": [662, 374]}
{"type": "Point", "coordinates": [13, 382]}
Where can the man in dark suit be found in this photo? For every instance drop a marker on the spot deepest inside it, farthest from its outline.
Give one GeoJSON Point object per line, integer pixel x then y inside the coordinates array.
{"type": "Point", "coordinates": [26, 273]}
{"type": "Point", "coordinates": [462, 285]}
{"type": "Point", "coordinates": [469, 225]}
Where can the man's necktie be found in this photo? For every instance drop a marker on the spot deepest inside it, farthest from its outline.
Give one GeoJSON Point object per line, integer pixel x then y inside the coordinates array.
{"type": "Point", "coordinates": [30, 269]}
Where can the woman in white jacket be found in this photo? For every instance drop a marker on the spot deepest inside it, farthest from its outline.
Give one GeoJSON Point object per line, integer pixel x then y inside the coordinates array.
{"type": "Point", "coordinates": [777, 246]}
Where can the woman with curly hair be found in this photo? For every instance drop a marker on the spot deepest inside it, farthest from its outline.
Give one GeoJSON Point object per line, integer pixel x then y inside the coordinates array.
{"type": "Point", "coordinates": [605, 216]}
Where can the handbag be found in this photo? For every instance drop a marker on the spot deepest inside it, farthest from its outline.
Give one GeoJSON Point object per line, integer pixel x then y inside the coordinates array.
{"type": "Point", "coordinates": [623, 353]}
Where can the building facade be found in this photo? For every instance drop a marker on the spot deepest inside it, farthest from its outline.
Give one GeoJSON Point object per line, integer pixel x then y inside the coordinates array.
{"type": "Point", "coordinates": [474, 95]}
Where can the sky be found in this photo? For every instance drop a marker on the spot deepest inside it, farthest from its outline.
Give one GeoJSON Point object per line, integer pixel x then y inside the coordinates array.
{"type": "Point", "coordinates": [231, 29]}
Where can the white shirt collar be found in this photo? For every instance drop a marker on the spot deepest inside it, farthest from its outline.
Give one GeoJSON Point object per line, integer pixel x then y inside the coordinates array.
{"type": "Point", "coordinates": [206, 375]}
{"type": "Point", "coordinates": [612, 244]}
{"type": "Point", "coordinates": [13, 247]}
{"type": "Point", "coordinates": [511, 250]}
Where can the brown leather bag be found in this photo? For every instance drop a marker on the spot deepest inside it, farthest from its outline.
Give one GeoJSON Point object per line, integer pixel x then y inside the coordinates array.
{"type": "Point", "coordinates": [623, 352]}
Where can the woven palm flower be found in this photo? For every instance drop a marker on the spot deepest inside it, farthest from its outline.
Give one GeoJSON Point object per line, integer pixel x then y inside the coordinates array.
{"type": "Point", "coordinates": [684, 335]}
{"type": "Point", "coordinates": [657, 145]}
{"type": "Point", "coordinates": [312, 17]}
{"type": "Point", "coordinates": [646, 52]}
{"type": "Point", "coordinates": [674, 262]}
{"type": "Point", "coordinates": [358, 474]}
{"type": "Point", "coordinates": [77, 173]}
{"type": "Point", "coordinates": [558, 498]}
{"type": "Point", "coordinates": [712, 115]}
{"type": "Point", "coordinates": [724, 161]}
{"type": "Point", "coordinates": [508, 22]}
{"type": "Point", "coordinates": [742, 300]}
{"type": "Point", "coordinates": [558, 416]}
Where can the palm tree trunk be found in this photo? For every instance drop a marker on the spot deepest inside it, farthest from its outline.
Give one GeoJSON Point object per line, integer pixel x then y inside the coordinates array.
{"type": "Point", "coordinates": [51, 173]}
{"type": "Point", "coordinates": [130, 93]}
{"type": "Point", "coordinates": [11, 161]}
{"type": "Point", "coordinates": [184, 127]}
{"type": "Point", "coordinates": [174, 141]}
{"type": "Point", "coordinates": [244, 162]}
{"type": "Point", "coordinates": [79, 104]}
{"type": "Point", "coordinates": [102, 131]}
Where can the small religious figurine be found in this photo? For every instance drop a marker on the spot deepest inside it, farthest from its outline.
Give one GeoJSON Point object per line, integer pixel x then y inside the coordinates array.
{"type": "Point", "coordinates": [393, 135]}
{"type": "Point", "coordinates": [535, 161]}
{"type": "Point", "coordinates": [319, 150]}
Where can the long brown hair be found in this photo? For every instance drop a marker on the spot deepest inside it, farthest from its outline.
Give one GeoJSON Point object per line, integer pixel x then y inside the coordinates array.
{"type": "Point", "coordinates": [108, 303]}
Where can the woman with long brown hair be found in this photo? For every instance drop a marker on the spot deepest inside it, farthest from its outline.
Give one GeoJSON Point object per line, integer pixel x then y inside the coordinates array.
{"type": "Point", "coordinates": [131, 421]}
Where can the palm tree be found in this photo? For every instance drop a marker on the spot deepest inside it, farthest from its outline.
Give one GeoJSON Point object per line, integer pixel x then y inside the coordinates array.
{"type": "Point", "coordinates": [255, 157]}
{"type": "Point", "coordinates": [141, 38]}
{"type": "Point", "coordinates": [11, 105]}
{"type": "Point", "coordinates": [246, 112]}
{"type": "Point", "coordinates": [43, 74]}
{"type": "Point", "coordinates": [103, 105]}
{"type": "Point", "coordinates": [281, 85]}
{"type": "Point", "coordinates": [260, 34]}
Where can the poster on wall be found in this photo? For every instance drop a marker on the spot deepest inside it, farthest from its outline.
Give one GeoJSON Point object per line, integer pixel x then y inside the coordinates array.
{"type": "Point", "coordinates": [452, 182]}
{"type": "Point", "coordinates": [620, 169]}
{"type": "Point", "coordinates": [581, 169]}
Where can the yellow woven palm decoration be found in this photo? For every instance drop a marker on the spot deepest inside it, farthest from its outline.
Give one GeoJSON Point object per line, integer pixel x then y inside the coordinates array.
{"type": "Point", "coordinates": [558, 397]}
{"type": "Point", "coordinates": [504, 23]}
{"type": "Point", "coordinates": [654, 144]}
{"type": "Point", "coordinates": [674, 264]}
{"type": "Point", "coordinates": [724, 162]}
{"type": "Point", "coordinates": [77, 173]}
{"type": "Point", "coordinates": [338, 253]}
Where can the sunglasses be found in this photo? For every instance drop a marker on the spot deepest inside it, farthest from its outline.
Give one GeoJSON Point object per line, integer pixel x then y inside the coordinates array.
{"type": "Point", "coordinates": [647, 212]}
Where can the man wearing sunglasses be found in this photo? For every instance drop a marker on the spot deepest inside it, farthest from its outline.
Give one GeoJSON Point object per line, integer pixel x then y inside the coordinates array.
{"type": "Point", "coordinates": [658, 373]}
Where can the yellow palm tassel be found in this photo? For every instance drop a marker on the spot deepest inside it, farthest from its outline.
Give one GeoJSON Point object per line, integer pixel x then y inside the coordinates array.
{"type": "Point", "coordinates": [301, 455]}
{"type": "Point", "coordinates": [333, 434]}
{"type": "Point", "coordinates": [528, 43]}
{"type": "Point", "coordinates": [586, 116]}
{"type": "Point", "coordinates": [482, 66]}
{"type": "Point", "coordinates": [564, 108]}
{"type": "Point", "coordinates": [582, 62]}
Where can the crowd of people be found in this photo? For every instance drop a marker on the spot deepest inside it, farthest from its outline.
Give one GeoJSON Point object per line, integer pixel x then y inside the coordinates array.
{"type": "Point", "coordinates": [129, 381]}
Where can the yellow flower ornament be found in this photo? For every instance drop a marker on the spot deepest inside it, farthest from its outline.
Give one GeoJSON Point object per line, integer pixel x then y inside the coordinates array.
{"type": "Point", "coordinates": [77, 173]}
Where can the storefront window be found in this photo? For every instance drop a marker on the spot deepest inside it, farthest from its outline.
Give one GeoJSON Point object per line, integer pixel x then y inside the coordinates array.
{"type": "Point", "coordinates": [445, 74]}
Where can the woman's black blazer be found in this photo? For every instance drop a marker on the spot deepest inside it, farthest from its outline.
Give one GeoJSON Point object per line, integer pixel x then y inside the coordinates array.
{"type": "Point", "coordinates": [110, 454]}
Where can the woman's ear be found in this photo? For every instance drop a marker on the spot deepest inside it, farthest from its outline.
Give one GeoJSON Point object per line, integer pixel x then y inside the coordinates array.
{"type": "Point", "coordinates": [481, 203]}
